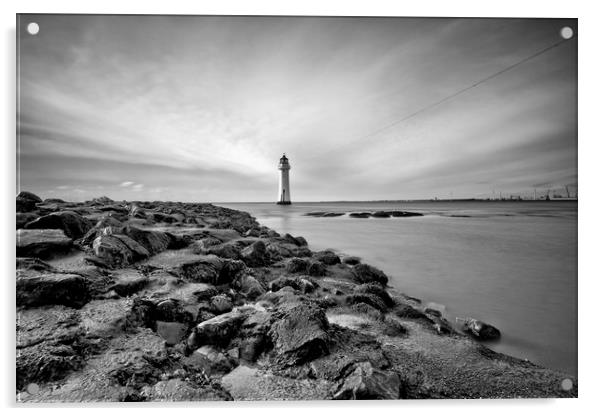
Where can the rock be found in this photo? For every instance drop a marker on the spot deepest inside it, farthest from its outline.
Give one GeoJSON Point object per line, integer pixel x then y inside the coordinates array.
{"type": "Point", "coordinates": [404, 214]}
{"type": "Point", "coordinates": [380, 214]}
{"type": "Point", "coordinates": [198, 271]}
{"type": "Point", "coordinates": [251, 348]}
{"type": "Point", "coordinates": [118, 250]}
{"type": "Point", "coordinates": [301, 241]}
{"type": "Point", "coordinates": [364, 273]}
{"type": "Point", "coordinates": [225, 250]}
{"type": "Point", "coordinates": [246, 383]}
{"type": "Point", "coordinates": [25, 205]}
{"type": "Point", "coordinates": [177, 390]}
{"type": "Point", "coordinates": [375, 289]}
{"type": "Point", "coordinates": [434, 312]}
{"type": "Point", "coordinates": [172, 310]}
{"type": "Point", "coordinates": [220, 304]}
{"type": "Point", "coordinates": [23, 218]}
{"type": "Point", "coordinates": [253, 232]}
{"type": "Point", "coordinates": [74, 225]}
{"type": "Point", "coordinates": [368, 383]}
{"type": "Point", "coordinates": [481, 330]}
{"type": "Point", "coordinates": [316, 268]}
{"type": "Point", "coordinates": [297, 283]}
{"type": "Point", "coordinates": [44, 288]}
{"type": "Point", "coordinates": [45, 362]}
{"type": "Point", "coordinates": [153, 241]}
{"type": "Point", "coordinates": [210, 360]}
{"type": "Point", "coordinates": [32, 263]}
{"type": "Point", "coordinates": [360, 215]}
{"type": "Point", "coordinates": [351, 260]}
{"type": "Point", "coordinates": [327, 257]}
{"type": "Point", "coordinates": [172, 332]}
{"type": "Point", "coordinates": [30, 196]}
{"type": "Point", "coordinates": [216, 331]}
{"type": "Point", "coordinates": [278, 250]}
{"type": "Point", "coordinates": [250, 287]}
{"type": "Point", "coordinates": [367, 298]}
{"type": "Point", "coordinates": [300, 333]}
{"type": "Point", "coordinates": [256, 255]}
{"type": "Point", "coordinates": [43, 244]}
{"type": "Point", "coordinates": [103, 200]}
{"type": "Point", "coordinates": [160, 217]}
{"type": "Point", "coordinates": [129, 282]}
{"type": "Point", "coordinates": [297, 265]}
{"type": "Point", "coordinates": [205, 243]}
{"type": "Point", "coordinates": [408, 312]}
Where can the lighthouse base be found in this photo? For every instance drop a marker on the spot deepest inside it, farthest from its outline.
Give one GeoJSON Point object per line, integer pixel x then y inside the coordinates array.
{"type": "Point", "coordinates": [283, 202]}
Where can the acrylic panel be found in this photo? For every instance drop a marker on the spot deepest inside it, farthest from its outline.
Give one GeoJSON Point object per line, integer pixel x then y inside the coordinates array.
{"type": "Point", "coordinates": [295, 208]}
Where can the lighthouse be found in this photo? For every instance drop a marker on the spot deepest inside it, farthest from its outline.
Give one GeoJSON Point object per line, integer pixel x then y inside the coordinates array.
{"type": "Point", "coordinates": [284, 190]}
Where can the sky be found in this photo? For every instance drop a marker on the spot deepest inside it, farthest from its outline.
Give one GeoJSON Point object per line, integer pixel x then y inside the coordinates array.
{"type": "Point", "coordinates": [200, 108]}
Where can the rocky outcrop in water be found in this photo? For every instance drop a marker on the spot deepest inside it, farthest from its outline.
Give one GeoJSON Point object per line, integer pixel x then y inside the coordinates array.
{"type": "Point", "coordinates": [164, 301]}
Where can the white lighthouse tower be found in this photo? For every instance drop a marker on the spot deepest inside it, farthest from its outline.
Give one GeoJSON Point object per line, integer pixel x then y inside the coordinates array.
{"type": "Point", "coordinates": [284, 190]}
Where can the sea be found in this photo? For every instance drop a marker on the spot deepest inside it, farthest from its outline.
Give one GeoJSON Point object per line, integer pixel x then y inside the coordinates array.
{"type": "Point", "coordinates": [512, 264]}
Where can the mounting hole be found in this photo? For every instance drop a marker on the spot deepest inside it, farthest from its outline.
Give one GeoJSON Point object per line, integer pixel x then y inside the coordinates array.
{"type": "Point", "coordinates": [566, 32]}
{"type": "Point", "coordinates": [566, 384]}
{"type": "Point", "coordinates": [33, 28]}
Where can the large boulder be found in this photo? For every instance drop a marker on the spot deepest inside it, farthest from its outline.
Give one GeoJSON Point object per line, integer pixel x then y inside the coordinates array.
{"type": "Point", "coordinates": [297, 265]}
{"type": "Point", "coordinates": [365, 382]}
{"type": "Point", "coordinates": [316, 268]}
{"type": "Point", "coordinates": [256, 255]}
{"type": "Point", "coordinates": [375, 289]}
{"type": "Point", "coordinates": [35, 289]}
{"type": "Point", "coordinates": [30, 196]}
{"type": "Point", "coordinates": [300, 333]}
{"type": "Point", "coordinates": [118, 250]}
{"type": "Point", "coordinates": [364, 273]}
{"type": "Point", "coordinates": [481, 330]}
{"type": "Point", "coordinates": [153, 241]}
{"type": "Point", "coordinates": [250, 287]}
{"type": "Point", "coordinates": [74, 225]}
{"type": "Point", "coordinates": [216, 331]}
{"type": "Point", "coordinates": [327, 257]}
{"type": "Point", "coordinates": [42, 243]}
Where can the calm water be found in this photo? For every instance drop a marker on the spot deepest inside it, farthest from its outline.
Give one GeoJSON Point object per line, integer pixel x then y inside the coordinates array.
{"type": "Point", "coordinates": [512, 264]}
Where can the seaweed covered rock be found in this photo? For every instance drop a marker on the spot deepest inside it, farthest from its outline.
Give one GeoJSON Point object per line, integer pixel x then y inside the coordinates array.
{"type": "Point", "coordinates": [364, 273]}
{"type": "Point", "coordinates": [327, 257]}
{"type": "Point", "coordinates": [296, 265]}
{"type": "Point", "coordinates": [375, 289]}
{"type": "Point", "coordinates": [74, 225]}
{"type": "Point", "coordinates": [316, 268]}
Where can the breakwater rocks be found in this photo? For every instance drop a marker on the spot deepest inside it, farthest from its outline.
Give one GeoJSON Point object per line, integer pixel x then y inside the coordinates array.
{"type": "Point", "coordinates": [375, 214]}
{"type": "Point", "coordinates": [163, 301]}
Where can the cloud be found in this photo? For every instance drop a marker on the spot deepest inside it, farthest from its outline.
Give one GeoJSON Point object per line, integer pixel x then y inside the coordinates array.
{"type": "Point", "coordinates": [173, 108]}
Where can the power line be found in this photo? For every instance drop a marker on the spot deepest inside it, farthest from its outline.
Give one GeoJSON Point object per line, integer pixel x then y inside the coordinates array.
{"type": "Point", "coordinates": [463, 90]}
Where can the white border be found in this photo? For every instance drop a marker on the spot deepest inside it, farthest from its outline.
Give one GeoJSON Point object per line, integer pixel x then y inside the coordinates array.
{"type": "Point", "coordinates": [590, 70]}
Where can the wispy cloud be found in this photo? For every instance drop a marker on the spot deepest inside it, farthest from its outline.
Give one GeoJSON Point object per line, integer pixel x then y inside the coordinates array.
{"type": "Point", "coordinates": [200, 108]}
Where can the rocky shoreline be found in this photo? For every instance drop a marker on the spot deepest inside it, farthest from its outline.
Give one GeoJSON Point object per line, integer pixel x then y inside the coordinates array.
{"type": "Point", "coordinates": [165, 301]}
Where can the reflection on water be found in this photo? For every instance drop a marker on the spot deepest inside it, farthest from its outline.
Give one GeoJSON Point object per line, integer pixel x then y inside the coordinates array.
{"type": "Point", "coordinates": [511, 264]}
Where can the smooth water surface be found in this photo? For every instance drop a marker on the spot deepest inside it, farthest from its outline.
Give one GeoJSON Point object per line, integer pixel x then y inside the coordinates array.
{"type": "Point", "coordinates": [512, 264]}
